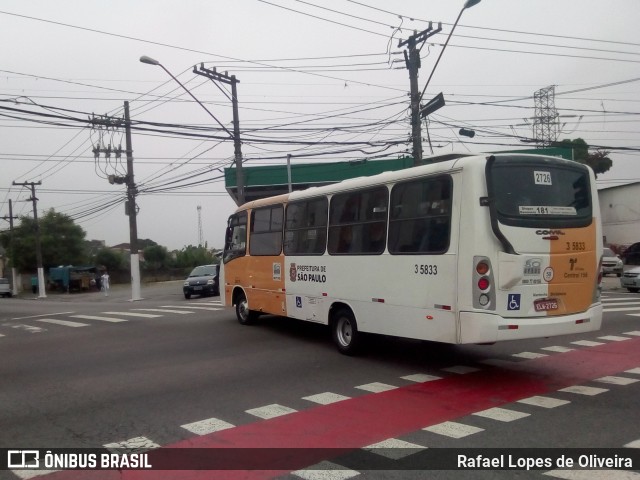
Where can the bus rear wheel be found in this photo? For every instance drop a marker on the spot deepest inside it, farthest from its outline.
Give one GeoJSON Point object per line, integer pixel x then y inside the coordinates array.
{"type": "Point", "coordinates": [243, 314]}
{"type": "Point", "coordinates": [345, 332]}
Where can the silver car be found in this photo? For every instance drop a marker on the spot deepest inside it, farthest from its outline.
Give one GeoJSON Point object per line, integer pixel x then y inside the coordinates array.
{"type": "Point", "coordinates": [631, 280]}
{"type": "Point", "coordinates": [611, 263]}
{"type": "Point", "coordinates": [5, 288]}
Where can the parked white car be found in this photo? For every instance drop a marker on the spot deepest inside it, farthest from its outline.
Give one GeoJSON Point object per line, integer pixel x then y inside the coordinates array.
{"type": "Point", "coordinates": [5, 287]}
{"type": "Point", "coordinates": [611, 263]}
{"type": "Point", "coordinates": [631, 280]}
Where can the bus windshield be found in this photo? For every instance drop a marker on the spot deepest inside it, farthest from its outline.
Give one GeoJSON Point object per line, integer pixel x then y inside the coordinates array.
{"type": "Point", "coordinates": [539, 194]}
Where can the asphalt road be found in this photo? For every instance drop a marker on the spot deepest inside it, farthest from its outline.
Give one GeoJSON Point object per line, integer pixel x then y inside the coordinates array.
{"type": "Point", "coordinates": [84, 371]}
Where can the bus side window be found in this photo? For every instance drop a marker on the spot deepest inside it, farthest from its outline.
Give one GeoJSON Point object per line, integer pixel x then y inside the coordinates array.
{"type": "Point", "coordinates": [420, 216]}
{"type": "Point", "coordinates": [236, 237]}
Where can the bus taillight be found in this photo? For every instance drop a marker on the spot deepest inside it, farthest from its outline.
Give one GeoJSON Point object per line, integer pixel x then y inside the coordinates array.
{"type": "Point", "coordinates": [484, 296]}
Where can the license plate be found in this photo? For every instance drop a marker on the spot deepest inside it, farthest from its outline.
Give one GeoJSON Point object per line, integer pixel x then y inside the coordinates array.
{"type": "Point", "coordinates": [545, 304]}
{"type": "Point", "coordinates": [197, 288]}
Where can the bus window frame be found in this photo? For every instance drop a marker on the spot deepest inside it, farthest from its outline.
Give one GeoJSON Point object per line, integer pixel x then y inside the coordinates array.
{"type": "Point", "coordinates": [428, 219]}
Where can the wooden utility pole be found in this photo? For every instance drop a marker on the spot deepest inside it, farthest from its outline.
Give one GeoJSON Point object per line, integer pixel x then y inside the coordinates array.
{"type": "Point", "coordinates": [41, 286]}
{"type": "Point", "coordinates": [14, 276]}
{"type": "Point", "coordinates": [214, 76]}
{"type": "Point", "coordinates": [412, 61]}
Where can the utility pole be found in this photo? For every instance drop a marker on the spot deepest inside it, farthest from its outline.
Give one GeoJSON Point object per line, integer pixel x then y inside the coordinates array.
{"type": "Point", "coordinates": [132, 211]}
{"type": "Point", "coordinates": [41, 286]}
{"type": "Point", "coordinates": [213, 75]}
{"type": "Point", "coordinates": [14, 276]}
{"type": "Point", "coordinates": [412, 61]}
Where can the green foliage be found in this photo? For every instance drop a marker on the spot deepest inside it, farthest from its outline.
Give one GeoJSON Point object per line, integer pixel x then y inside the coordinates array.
{"type": "Point", "coordinates": [156, 256]}
{"type": "Point", "coordinates": [599, 161]}
{"type": "Point", "coordinates": [110, 259]}
{"type": "Point", "coordinates": [61, 240]}
{"type": "Point", "coordinates": [192, 256]}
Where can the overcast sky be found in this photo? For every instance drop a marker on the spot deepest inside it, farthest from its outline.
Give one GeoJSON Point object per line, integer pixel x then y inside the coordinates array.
{"type": "Point", "coordinates": [322, 80]}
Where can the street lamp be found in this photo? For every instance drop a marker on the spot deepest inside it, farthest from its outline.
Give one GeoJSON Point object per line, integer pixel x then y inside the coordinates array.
{"type": "Point", "coordinates": [235, 138]}
{"type": "Point", "coordinates": [153, 61]}
{"type": "Point", "coordinates": [467, 4]}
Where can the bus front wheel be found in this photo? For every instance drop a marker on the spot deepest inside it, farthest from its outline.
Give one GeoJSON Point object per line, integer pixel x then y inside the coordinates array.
{"type": "Point", "coordinates": [345, 332]}
{"type": "Point", "coordinates": [243, 314]}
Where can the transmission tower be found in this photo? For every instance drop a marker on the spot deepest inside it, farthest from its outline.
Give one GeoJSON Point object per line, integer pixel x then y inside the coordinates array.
{"type": "Point", "coordinates": [545, 122]}
{"type": "Point", "coordinates": [200, 240]}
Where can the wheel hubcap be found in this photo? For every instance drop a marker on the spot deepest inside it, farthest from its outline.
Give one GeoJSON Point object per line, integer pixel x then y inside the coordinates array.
{"type": "Point", "coordinates": [344, 332]}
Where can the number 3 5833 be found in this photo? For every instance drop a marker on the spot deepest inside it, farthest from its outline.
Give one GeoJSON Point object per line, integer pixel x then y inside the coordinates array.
{"type": "Point", "coordinates": [426, 269]}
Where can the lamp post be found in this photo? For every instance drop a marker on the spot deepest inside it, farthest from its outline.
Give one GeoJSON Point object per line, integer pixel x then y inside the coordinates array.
{"type": "Point", "coordinates": [467, 4]}
{"type": "Point", "coordinates": [238, 157]}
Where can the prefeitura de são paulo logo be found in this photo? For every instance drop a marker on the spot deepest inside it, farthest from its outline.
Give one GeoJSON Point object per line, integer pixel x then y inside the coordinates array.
{"type": "Point", "coordinates": [293, 272]}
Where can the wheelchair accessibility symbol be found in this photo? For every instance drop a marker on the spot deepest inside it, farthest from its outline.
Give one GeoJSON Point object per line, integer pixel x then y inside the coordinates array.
{"type": "Point", "coordinates": [513, 302]}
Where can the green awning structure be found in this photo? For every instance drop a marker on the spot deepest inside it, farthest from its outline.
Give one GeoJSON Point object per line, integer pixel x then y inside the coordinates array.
{"type": "Point", "coordinates": [269, 180]}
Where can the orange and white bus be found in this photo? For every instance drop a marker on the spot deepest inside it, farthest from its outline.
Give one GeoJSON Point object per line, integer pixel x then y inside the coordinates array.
{"type": "Point", "coordinates": [477, 249]}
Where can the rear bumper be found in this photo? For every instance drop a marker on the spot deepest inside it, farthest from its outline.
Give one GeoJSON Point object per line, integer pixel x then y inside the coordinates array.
{"type": "Point", "coordinates": [485, 328]}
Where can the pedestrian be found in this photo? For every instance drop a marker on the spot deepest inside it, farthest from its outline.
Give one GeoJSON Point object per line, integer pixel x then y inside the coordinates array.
{"type": "Point", "coordinates": [104, 283]}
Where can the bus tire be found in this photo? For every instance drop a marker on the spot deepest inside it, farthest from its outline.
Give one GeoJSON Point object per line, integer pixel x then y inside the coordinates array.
{"type": "Point", "coordinates": [344, 330]}
{"type": "Point", "coordinates": [633, 290]}
{"type": "Point", "coordinates": [243, 314]}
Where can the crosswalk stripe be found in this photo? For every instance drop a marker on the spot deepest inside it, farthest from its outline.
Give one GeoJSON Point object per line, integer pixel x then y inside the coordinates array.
{"type": "Point", "coordinates": [181, 312]}
{"type": "Point", "coordinates": [621, 309]}
{"type": "Point", "coordinates": [65, 323]}
{"type": "Point", "coordinates": [104, 319]}
{"type": "Point", "coordinates": [213, 309]}
{"type": "Point", "coordinates": [133, 314]}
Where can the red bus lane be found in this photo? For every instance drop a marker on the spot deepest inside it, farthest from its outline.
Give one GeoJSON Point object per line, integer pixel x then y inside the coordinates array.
{"type": "Point", "coordinates": [355, 423]}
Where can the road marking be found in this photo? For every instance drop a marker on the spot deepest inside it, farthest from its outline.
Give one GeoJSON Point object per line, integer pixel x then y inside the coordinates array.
{"type": "Point", "coordinates": [529, 355]}
{"type": "Point", "coordinates": [617, 380]}
{"type": "Point", "coordinates": [635, 333]}
{"type": "Point", "coordinates": [326, 398]}
{"type": "Point", "coordinates": [461, 369]}
{"type": "Point", "coordinates": [372, 418]}
{"type": "Point", "coordinates": [65, 323]}
{"type": "Point", "coordinates": [421, 378]}
{"type": "Point", "coordinates": [593, 474]}
{"type": "Point", "coordinates": [633, 370]}
{"type": "Point", "coordinates": [584, 390]}
{"type": "Point", "coordinates": [43, 315]}
{"type": "Point", "coordinates": [394, 448]}
{"type": "Point", "coordinates": [29, 328]}
{"type": "Point", "coordinates": [210, 425]}
{"type": "Point", "coordinates": [544, 402]}
{"type": "Point", "coordinates": [587, 343]}
{"type": "Point", "coordinates": [501, 414]}
{"type": "Point", "coordinates": [620, 309]}
{"type": "Point", "coordinates": [213, 309]}
{"type": "Point", "coordinates": [137, 444]}
{"type": "Point", "coordinates": [614, 338]}
{"type": "Point", "coordinates": [103, 319]}
{"type": "Point", "coordinates": [270, 411]}
{"type": "Point", "coordinates": [376, 387]}
{"type": "Point", "coordinates": [181, 312]}
{"type": "Point", "coordinates": [133, 314]}
{"type": "Point", "coordinates": [634, 444]}
{"type": "Point", "coordinates": [325, 471]}
{"type": "Point", "coordinates": [557, 349]}
{"type": "Point", "coordinates": [453, 429]}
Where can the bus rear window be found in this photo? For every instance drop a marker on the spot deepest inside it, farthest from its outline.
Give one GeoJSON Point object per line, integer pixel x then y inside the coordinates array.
{"type": "Point", "coordinates": [539, 194]}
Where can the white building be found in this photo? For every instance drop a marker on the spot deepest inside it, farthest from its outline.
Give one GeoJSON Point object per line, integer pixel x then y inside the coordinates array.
{"type": "Point", "coordinates": [620, 208]}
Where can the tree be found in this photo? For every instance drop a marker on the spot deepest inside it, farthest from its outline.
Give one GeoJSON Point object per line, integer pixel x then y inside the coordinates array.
{"type": "Point", "coordinates": [110, 259]}
{"type": "Point", "coordinates": [61, 240]}
{"type": "Point", "coordinates": [156, 256]}
{"type": "Point", "coordinates": [599, 160]}
{"type": "Point", "coordinates": [192, 256]}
